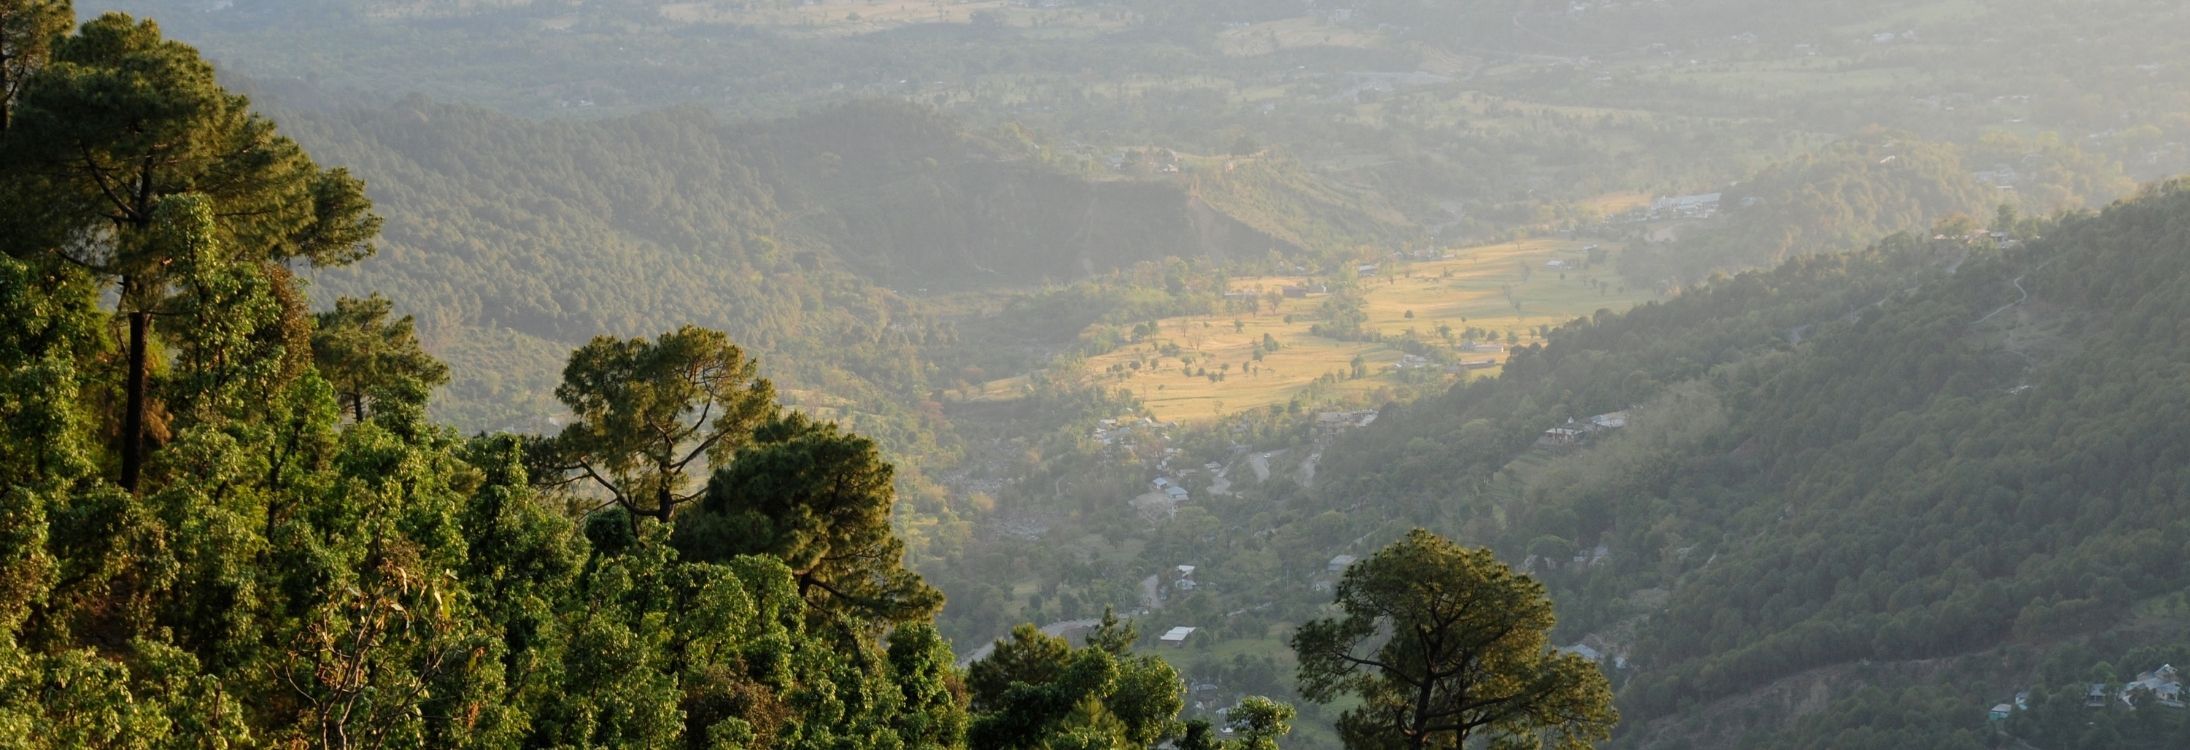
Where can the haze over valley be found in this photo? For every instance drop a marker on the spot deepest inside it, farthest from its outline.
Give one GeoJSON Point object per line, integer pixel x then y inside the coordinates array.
{"type": "Point", "coordinates": [1094, 373]}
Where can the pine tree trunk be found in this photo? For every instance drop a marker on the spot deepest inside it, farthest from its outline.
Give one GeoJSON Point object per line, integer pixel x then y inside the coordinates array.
{"type": "Point", "coordinates": [140, 329]}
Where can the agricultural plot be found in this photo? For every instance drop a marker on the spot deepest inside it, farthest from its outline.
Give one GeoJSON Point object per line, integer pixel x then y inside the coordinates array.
{"type": "Point", "coordinates": [1200, 367]}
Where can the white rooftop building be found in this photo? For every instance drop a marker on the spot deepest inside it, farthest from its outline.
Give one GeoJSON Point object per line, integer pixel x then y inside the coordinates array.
{"type": "Point", "coordinates": [1176, 636]}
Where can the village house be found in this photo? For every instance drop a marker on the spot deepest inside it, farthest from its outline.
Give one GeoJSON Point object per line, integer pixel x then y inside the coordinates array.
{"type": "Point", "coordinates": [1339, 564]}
{"type": "Point", "coordinates": [1699, 206]}
{"type": "Point", "coordinates": [1566, 434]}
{"type": "Point", "coordinates": [1411, 362]}
{"type": "Point", "coordinates": [1299, 291]}
{"type": "Point", "coordinates": [1177, 636]}
{"type": "Point", "coordinates": [1575, 432]}
{"type": "Point", "coordinates": [2163, 684]}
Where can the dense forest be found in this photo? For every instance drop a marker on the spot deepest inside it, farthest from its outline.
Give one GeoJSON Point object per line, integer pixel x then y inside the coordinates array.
{"type": "Point", "coordinates": [1888, 457]}
{"type": "Point", "coordinates": [356, 447]}
{"type": "Point", "coordinates": [512, 240]}
{"type": "Point", "coordinates": [230, 521]}
{"type": "Point", "coordinates": [1854, 192]}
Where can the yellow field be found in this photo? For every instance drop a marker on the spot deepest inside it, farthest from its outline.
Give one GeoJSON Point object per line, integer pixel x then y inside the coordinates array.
{"type": "Point", "coordinates": [1462, 291]}
{"type": "Point", "coordinates": [1292, 33]}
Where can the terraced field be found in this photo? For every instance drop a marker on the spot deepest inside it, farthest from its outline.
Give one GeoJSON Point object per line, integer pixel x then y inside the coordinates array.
{"type": "Point", "coordinates": [1506, 291]}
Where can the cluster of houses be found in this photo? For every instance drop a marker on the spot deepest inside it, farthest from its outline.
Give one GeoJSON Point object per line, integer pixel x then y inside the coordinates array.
{"type": "Point", "coordinates": [2162, 686]}
{"type": "Point", "coordinates": [1698, 206]}
{"type": "Point", "coordinates": [1412, 362]}
{"type": "Point", "coordinates": [1170, 489]}
{"type": "Point", "coordinates": [1418, 362]}
{"type": "Point", "coordinates": [1119, 432]}
{"type": "Point", "coordinates": [1341, 421]}
{"type": "Point", "coordinates": [1576, 432]}
{"type": "Point", "coordinates": [1163, 160]}
{"type": "Point", "coordinates": [1300, 291]}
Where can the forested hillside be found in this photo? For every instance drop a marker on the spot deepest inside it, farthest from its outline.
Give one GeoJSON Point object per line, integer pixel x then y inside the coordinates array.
{"type": "Point", "coordinates": [512, 240]}
{"type": "Point", "coordinates": [1903, 455]}
{"type": "Point", "coordinates": [1852, 193]}
{"type": "Point", "coordinates": [226, 521]}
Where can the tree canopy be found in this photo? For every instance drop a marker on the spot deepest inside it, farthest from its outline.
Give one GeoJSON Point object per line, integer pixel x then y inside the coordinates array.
{"type": "Point", "coordinates": [1443, 644]}
{"type": "Point", "coordinates": [276, 575]}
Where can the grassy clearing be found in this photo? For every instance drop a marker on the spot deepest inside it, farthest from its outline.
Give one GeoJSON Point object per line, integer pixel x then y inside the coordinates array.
{"type": "Point", "coordinates": [1412, 299]}
{"type": "Point", "coordinates": [1293, 33]}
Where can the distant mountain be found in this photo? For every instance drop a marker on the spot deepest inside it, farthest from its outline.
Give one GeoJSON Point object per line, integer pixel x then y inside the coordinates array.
{"type": "Point", "coordinates": [1937, 457]}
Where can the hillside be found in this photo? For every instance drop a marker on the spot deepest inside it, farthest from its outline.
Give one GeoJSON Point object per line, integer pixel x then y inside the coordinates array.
{"type": "Point", "coordinates": [1478, 117]}
{"type": "Point", "coordinates": [1887, 458]}
{"type": "Point", "coordinates": [809, 239]}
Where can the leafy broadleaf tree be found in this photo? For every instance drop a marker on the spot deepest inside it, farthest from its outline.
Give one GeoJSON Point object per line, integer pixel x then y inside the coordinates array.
{"type": "Point", "coordinates": [1443, 644]}
{"type": "Point", "coordinates": [651, 413]}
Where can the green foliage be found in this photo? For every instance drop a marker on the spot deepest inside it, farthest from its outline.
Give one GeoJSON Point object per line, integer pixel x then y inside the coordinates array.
{"type": "Point", "coordinates": [818, 499]}
{"type": "Point", "coordinates": [1260, 722]}
{"type": "Point", "coordinates": [368, 357]}
{"type": "Point", "coordinates": [280, 576]}
{"type": "Point", "coordinates": [1836, 200]}
{"type": "Point", "coordinates": [28, 29]}
{"type": "Point", "coordinates": [1036, 691]}
{"type": "Point", "coordinates": [1467, 655]}
{"type": "Point", "coordinates": [650, 412]}
{"type": "Point", "coordinates": [130, 164]}
{"type": "Point", "coordinates": [1891, 457]}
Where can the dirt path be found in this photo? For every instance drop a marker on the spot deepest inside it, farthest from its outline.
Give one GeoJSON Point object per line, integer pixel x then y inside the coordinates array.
{"type": "Point", "coordinates": [2018, 282]}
